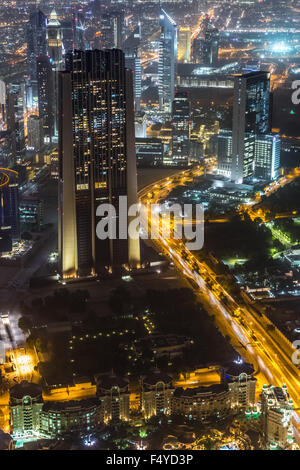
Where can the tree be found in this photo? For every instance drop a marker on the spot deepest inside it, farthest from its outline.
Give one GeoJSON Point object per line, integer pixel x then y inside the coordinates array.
{"type": "Point", "coordinates": [120, 300]}
{"type": "Point", "coordinates": [25, 324]}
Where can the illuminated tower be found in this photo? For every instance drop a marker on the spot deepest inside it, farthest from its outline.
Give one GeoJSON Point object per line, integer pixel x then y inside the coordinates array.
{"type": "Point", "coordinates": [55, 53]}
{"type": "Point", "coordinates": [54, 42]}
{"type": "Point", "coordinates": [184, 44]}
{"type": "Point", "coordinates": [181, 116]}
{"type": "Point", "coordinates": [251, 117]}
{"type": "Point", "coordinates": [167, 62]}
{"type": "Point", "coordinates": [45, 79]}
{"type": "Point", "coordinates": [97, 159]}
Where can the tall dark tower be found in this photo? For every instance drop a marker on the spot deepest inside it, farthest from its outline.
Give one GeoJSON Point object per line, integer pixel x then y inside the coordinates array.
{"type": "Point", "coordinates": [36, 40]}
{"type": "Point", "coordinates": [9, 209]}
{"type": "Point", "coordinates": [45, 82]}
{"type": "Point", "coordinates": [97, 159]}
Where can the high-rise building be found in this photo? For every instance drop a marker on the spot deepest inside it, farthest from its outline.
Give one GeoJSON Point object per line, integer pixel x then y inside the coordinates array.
{"type": "Point", "coordinates": [149, 151]}
{"type": "Point", "coordinates": [167, 62]}
{"type": "Point", "coordinates": [97, 159]}
{"type": "Point", "coordinates": [35, 132]}
{"type": "Point", "coordinates": [73, 34]}
{"type": "Point", "coordinates": [277, 409]}
{"type": "Point", "coordinates": [205, 46]}
{"type": "Point", "coordinates": [25, 403]}
{"type": "Point", "coordinates": [210, 46]}
{"type": "Point", "coordinates": [133, 62]}
{"type": "Point", "coordinates": [224, 152]}
{"type": "Point", "coordinates": [9, 209]}
{"type": "Point", "coordinates": [45, 84]}
{"type": "Point", "coordinates": [15, 121]}
{"type": "Point", "coordinates": [251, 117]}
{"type": "Point", "coordinates": [184, 44]}
{"type": "Point", "coordinates": [55, 52]}
{"type": "Point", "coordinates": [267, 156]}
{"type": "Point", "coordinates": [36, 40]}
{"type": "Point", "coordinates": [181, 118]}
{"type": "Point", "coordinates": [112, 29]}
{"type": "Point", "coordinates": [31, 214]}
{"type": "Point", "coordinates": [55, 42]}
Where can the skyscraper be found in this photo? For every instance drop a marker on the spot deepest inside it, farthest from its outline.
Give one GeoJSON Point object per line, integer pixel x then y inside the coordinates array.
{"type": "Point", "coordinates": [112, 29]}
{"type": "Point", "coordinates": [15, 120]}
{"type": "Point", "coordinates": [205, 46]}
{"type": "Point", "coordinates": [184, 44]}
{"type": "Point", "coordinates": [36, 40]}
{"type": "Point", "coordinates": [267, 156]}
{"type": "Point", "coordinates": [55, 52]}
{"type": "Point", "coordinates": [9, 209]}
{"type": "Point", "coordinates": [47, 108]}
{"type": "Point", "coordinates": [167, 62]}
{"type": "Point", "coordinates": [181, 115]}
{"type": "Point", "coordinates": [210, 46]}
{"type": "Point", "coordinates": [224, 153]}
{"type": "Point", "coordinates": [97, 159]}
{"type": "Point", "coordinates": [251, 117]}
{"type": "Point", "coordinates": [55, 42]}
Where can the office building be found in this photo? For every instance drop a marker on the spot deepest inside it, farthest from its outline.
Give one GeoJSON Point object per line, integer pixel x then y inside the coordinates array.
{"type": "Point", "coordinates": [112, 30]}
{"type": "Point", "coordinates": [224, 152]}
{"type": "Point", "coordinates": [46, 95]}
{"type": "Point", "coordinates": [15, 121]}
{"type": "Point", "coordinates": [167, 62]}
{"type": "Point", "coordinates": [133, 62]}
{"type": "Point", "coordinates": [277, 410]}
{"type": "Point", "coordinates": [55, 52]}
{"type": "Point", "coordinates": [184, 44]}
{"type": "Point", "coordinates": [9, 209]}
{"type": "Point", "coordinates": [34, 133]}
{"type": "Point", "coordinates": [267, 156]}
{"type": "Point", "coordinates": [25, 404]}
{"type": "Point", "coordinates": [251, 117]}
{"type": "Point", "coordinates": [36, 41]}
{"type": "Point", "coordinates": [149, 152]}
{"type": "Point", "coordinates": [113, 395]}
{"type": "Point", "coordinates": [97, 159]}
{"type": "Point", "coordinates": [181, 118]}
{"type": "Point", "coordinates": [31, 214]}
{"type": "Point", "coordinates": [210, 46]}
{"type": "Point", "coordinates": [156, 394]}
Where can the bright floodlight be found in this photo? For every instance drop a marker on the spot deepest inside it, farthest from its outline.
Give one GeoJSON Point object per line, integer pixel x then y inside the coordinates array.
{"type": "Point", "coordinates": [280, 47]}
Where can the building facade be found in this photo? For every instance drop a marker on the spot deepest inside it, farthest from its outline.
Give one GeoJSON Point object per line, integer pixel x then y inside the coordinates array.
{"type": "Point", "coordinates": [97, 159]}
{"type": "Point", "coordinates": [9, 209]}
{"type": "Point", "coordinates": [181, 119]}
{"type": "Point", "coordinates": [267, 156]}
{"type": "Point", "coordinates": [202, 403]}
{"type": "Point", "coordinates": [277, 409]}
{"type": "Point", "coordinates": [25, 403]}
{"type": "Point", "coordinates": [167, 62]}
{"type": "Point", "coordinates": [61, 419]}
{"type": "Point", "coordinates": [114, 398]}
{"type": "Point", "coordinates": [251, 117]}
{"type": "Point", "coordinates": [156, 394]}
